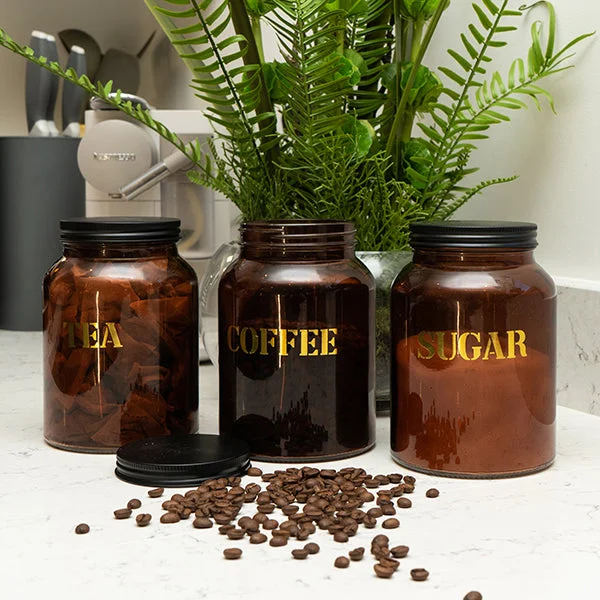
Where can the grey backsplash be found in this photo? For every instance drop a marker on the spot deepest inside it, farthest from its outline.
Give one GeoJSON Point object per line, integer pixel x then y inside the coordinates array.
{"type": "Point", "coordinates": [578, 364]}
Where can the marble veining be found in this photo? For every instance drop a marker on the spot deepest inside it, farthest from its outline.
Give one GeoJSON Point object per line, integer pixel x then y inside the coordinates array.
{"type": "Point", "coordinates": [534, 537]}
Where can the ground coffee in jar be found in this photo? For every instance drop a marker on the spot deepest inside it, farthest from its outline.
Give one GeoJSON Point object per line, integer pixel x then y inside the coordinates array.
{"type": "Point", "coordinates": [296, 345]}
{"type": "Point", "coordinates": [120, 325]}
{"type": "Point", "coordinates": [474, 352]}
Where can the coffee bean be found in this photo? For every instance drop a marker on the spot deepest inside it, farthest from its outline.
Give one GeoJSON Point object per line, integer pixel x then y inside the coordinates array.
{"type": "Point", "coordinates": [186, 512]}
{"type": "Point", "coordinates": [82, 528]}
{"type": "Point", "coordinates": [340, 536]}
{"type": "Point", "coordinates": [251, 526]}
{"type": "Point", "coordinates": [202, 523]}
{"type": "Point", "coordinates": [223, 519]}
{"type": "Point", "coordinates": [156, 492]}
{"type": "Point", "coordinates": [280, 533]}
{"type": "Point", "coordinates": [419, 574]}
{"type": "Point", "coordinates": [410, 479]}
{"type": "Point", "coordinates": [232, 553]}
{"type": "Point", "coordinates": [389, 562]}
{"type": "Point", "coordinates": [300, 553]}
{"type": "Point", "coordinates": [235, 534]}
{"type": "Point", "coordinates": [399, 551]}
{"type": "Point", "coordinates": [370, 522]}
{"type": "Point", "coordinates": [143, 519]}
{"type": "Point", "coordinates": [254, 472]}
{"type": "Point", "coordinates": [473, 596]}
{"type": "Point", "coordinates": [170, 517]}
{"type": "Point", "coordinates": [375, 512]}
{"type": "Point", "coordinates": [225, 528]}
{"type": "Point", "coordinates": [388, 509]}
{"type": "Point", "coordinates": [383, 572]}
{"type": "Point", "coordinates": [356, 554]}
{"type": "Point", "coordinates": [432, 493]}
{"type": "Point", "coordinates": [261, 518]}
{"type": "Point", "coordinates": [122, 513]}
{"type": "Point", "coordinates": [404, 503]}
{"type": "Point", "coordinates": [312, 548]}
{"type": "Point", "coordinates": [395, 477]}
{"type": "Point", "coordinates": [278, 541]}
{"type": "Point", "coordinates": [266, 508]}
{"type": "Point", "coordinates": [391, 524]}
{"type": "Point", "coordinates": [341, 562]}
{"type": "Point", "coordinates": [134, 504]}
{"type": "Point", "coordinates": [380, 540]}
{"type": "Point", "coordinates": [258, 538]}
{"type": "Point", "coordinates": [270, 524]}
{"type": "Point", "coordinates": [290, 509]}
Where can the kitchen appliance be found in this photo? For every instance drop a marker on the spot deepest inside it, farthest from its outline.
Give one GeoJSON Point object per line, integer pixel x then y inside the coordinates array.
{"type": "Point", "coordinates": [119, 157]}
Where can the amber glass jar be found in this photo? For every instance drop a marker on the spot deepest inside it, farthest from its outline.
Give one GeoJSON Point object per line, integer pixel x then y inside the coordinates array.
{"type": "Point", "coordinates": [296, 342]}
{"type": "Point", "coordinates": [120, 335]}
{"type": "Point", "coordinates": [474, 352]}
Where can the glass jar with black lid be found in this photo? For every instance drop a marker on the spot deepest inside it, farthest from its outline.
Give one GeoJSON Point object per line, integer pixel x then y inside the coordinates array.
{"type": "Point", "coordinates": [474, 352]}
{"type": "Point", "coordinates": [296, 342]}
{"type": "Point", "coordinates": [120, 323]}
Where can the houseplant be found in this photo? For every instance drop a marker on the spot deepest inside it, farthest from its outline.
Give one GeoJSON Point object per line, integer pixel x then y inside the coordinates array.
{"type": "Point", "coordinates": [350, 123]}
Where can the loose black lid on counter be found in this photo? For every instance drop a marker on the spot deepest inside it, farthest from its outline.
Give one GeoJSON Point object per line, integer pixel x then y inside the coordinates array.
{"type": "Point", "coordinates": [473, 234]}
{"type": "Point", "coordinates": [181, 460]}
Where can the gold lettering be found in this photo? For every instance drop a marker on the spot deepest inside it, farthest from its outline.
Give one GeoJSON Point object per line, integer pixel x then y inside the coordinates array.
{"type": "Point", "coordinates": [441, 346]}
{"type": "Point", "coordinates": [230, 331]}
{"type": "Point", "coordinates": [286, 340]}
{"type": "Point", "coordinates": [90, 336]}
{"type": "Point", "coordinates": [244, 340]}
{"type": "Point", "coordinates": [305, 342]}
{"type": "Point", "coordinates": [462, 345]}
{"type": "Point", "coordinates": [110, 331]}
{"type": "Point", "coordinates": [328, 347]}
{"type": "Point", "coordinates": [265, 341]}
{"type": "Point", "coordinates": [426, 345]}
{"type": "Point", "coordinates": [493, 340]}
{"type": "Point", "coordinates": [512, 343]}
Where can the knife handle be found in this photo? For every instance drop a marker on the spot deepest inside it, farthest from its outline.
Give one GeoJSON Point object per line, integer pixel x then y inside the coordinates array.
{"type": "Point", "coordinates": [74, 97]}
{"type": "Point", "coordinates": [38, 82]}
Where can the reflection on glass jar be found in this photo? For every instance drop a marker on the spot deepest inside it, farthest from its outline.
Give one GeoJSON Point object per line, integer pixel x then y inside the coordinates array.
{"type": "Point", "coordinates": [296, 345]}
{"type": "Point", "coordinates": [120, 335]}
{"type": "Point", "coordinates": [474, 345]}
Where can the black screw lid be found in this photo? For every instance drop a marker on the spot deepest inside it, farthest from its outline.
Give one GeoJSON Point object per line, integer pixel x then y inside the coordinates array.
{"type": "Point", "coordinates": [473, 234]}
{"type": "Point", "coordinates": [120, 229]}
{"type": "Point", "coordinates": [181, 460]}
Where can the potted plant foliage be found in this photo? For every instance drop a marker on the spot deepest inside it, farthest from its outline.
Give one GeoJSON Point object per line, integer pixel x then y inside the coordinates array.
{"type": "Point", "coordinates": [349, 123]}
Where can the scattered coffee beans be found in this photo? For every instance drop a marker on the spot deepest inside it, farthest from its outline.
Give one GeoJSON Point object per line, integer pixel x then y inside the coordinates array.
{"type": "Point", "coordinates": [122, 513]}
{"type": "Point", "coordinates": [390, 563]}
{"type": "Point", "coordinates": [391, 524]}
{"type": "Point", "coordinates": [432, 493]}
{"type": "Point", "coordinates": [300, 553]}
{"type": "Point", "coordinates": [278, 541]}
{"type": "Point", "coordinates": [399, 551]}
{"type": "Point", "coordinates": [341, 562]}
{"type": "Point", "coordinates": [340, 536]}
{"type": "Point", "coordinates": [235, 534]}
{"type": "Point", "coordinates": [356, 554]}
{"type": "Point", "coordinates": [170, 517]}
{"type": "Point", "coordinates": [254, 472]}
{"type": "Point", "coordinates": [143, 519]}
{"type": "Point", "coordinates": [82, 528]}
{"type": "Point", "coordinates": [258, 538]}
{"type": "Point", "coordinates": [312, 548]}
{"type": "Point", "coordinates": [232, 553]}
{"type": "Point", "coordinates": [225, 528]}
{"type": "Point", "coordinates": [134, 504]}
{"type": "Point", "coordinates": [419, 574]}
{"type": "Point", "coordinates": [156, 492]}
{"type": "Point", "coordinates": [270, 524]}
{"type": "Point", "coordinates": [473, 596]}
{"type": "Point", "coordinates": [404, 503]}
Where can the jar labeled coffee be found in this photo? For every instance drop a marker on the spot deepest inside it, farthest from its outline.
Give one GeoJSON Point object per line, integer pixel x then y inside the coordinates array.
{"type": "Point", "coordinates": [120, 325]}
{"type": "Point", "coordinates": [474, 352]}
{"type": "Point", "coordinates": [296, 342]}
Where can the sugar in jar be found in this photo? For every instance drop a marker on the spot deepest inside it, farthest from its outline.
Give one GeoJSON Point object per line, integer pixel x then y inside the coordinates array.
{"type": "Point", "coordinates": [120, 321]}
{"type": "Point", "coordinates": [474, 352]}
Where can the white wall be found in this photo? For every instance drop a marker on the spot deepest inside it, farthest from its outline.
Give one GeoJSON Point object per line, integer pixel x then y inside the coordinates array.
{"type": "Point", "coordinates": [555, 156]}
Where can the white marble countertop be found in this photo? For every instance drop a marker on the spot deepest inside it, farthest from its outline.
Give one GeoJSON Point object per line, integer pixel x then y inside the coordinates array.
{"type": "Point", "coordinates": [535, 537]}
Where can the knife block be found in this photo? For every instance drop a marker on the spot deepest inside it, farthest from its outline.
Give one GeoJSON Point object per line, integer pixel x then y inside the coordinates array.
{"type": "Point", "coordinates": [40, 184]}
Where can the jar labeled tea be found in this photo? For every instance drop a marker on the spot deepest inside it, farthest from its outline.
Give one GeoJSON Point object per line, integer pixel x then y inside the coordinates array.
{"type": "Point", "coordinates": [296, 342]}
{"type": "Point", "coordinates": [120, 335]}
{"type": "Point", "coordinates": [474, 352]}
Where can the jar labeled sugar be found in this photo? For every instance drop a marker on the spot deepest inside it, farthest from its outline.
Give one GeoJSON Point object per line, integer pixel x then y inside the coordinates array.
{"type": "Point", "coordinates": [474, 352]}
{"type": "Point", "coordinates": [120, 325]}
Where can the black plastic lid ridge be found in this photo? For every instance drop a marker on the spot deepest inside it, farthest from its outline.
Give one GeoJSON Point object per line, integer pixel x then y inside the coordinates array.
{"type": "Point", "coordinates": [473, 234]}
{"type": "Point", "coordinates": [120, 229]}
